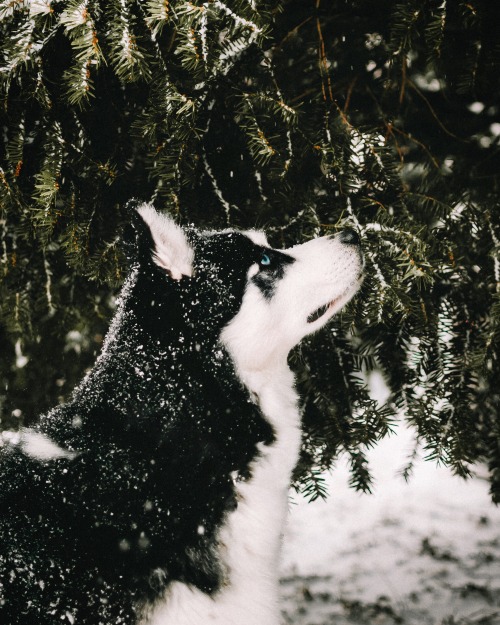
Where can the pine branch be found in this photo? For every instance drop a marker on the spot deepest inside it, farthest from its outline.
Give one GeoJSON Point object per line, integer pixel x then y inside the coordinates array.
{"type": "Point", "coordinates": [306, 121]}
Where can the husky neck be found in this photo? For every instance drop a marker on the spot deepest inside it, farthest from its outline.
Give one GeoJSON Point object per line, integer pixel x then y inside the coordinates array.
{"type": "Point", "coordinates": [250, 539]}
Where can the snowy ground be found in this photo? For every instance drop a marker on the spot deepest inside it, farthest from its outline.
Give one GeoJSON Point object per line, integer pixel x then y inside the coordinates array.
{"type": "Point", "coordinates": [427, 552]}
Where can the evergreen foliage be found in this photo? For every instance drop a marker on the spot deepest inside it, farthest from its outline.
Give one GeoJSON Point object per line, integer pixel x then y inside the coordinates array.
{"type": "Point", "coordinates": [299, 116]}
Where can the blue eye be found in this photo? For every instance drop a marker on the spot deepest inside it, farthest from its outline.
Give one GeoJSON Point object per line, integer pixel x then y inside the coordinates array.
{"type": "Point", "coordinates": [265, 260]}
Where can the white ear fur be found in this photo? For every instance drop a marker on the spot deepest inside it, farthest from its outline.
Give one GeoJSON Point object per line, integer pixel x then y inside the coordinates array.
{"type": "Point", "coordinates": [172, 250]}
{"type": "Point", "coordinates": [257, 236]}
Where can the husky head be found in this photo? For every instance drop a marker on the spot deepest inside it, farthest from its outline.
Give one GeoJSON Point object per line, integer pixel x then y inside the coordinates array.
{"type": "Point", "coordinates": [258, 301]}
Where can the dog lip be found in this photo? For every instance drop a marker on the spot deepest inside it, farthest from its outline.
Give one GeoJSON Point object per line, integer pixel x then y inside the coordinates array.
{"type": "Point", "coordinates": [319, 312]}
{"type": "Point", "coordinates": [346, 295]}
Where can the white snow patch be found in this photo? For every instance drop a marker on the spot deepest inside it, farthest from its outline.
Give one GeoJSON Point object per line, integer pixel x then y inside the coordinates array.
{"type": "Point", "coordinates": [364, 547]}
{"type": "Point", "coordinates": [21, 359]}
{"type": "Point", "coordinates": [41, 447]}
{"type": "Point", "coordinates": [476, 107]}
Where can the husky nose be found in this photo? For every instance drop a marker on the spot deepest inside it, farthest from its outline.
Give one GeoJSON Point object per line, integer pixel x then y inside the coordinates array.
{"type": "Point", "coordinates": [349, 237]}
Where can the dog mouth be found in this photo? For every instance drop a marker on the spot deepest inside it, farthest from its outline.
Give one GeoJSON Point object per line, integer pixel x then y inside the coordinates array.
{"type": "Point", "coordinates": [328, 309]}
{"type": "Point", "coordinates": [320, 312]}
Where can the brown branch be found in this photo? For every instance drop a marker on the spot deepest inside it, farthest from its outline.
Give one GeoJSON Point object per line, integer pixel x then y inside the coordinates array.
{"type": "Point", "coordinates": [326, 84]}
{"type": "Point", "coordinates": [433, 113]}
{"type": "Point", "coordinates": [403, 81]}
{"type": "Point", "coordinates": [292, 32]}
{"type": "Point", "coordinates": [349, 93]}
{"type": "Point", "coordinates": [390, 127]}
{"type": "Point", "coordinates": [419, 143]}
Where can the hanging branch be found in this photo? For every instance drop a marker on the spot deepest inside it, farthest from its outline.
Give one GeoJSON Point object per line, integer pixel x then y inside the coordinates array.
{"type": "Point", "coordinates": [304, 117]}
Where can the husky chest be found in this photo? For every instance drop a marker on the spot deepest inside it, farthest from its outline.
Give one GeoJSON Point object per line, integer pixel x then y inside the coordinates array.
{"type": "Point", "coordinates": [158, 494]}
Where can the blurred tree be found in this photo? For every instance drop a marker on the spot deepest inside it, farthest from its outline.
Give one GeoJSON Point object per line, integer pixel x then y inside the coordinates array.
{"type": "Point", "coordinates": [300, 116]}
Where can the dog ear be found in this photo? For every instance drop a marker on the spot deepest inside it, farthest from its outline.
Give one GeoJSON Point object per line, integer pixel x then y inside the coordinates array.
{"type": "Point", "coordinates": [164, 242]}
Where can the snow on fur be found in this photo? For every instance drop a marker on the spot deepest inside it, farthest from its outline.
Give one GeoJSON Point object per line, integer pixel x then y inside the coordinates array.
{"type": "Point", "coordinates": [158, 494]}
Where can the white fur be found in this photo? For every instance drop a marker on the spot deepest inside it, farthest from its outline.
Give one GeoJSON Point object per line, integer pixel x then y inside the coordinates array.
{"type": "Point", "coordinates": [41, 447]}
{"type": "Point", "coordinates": [264, 331]}
{"type": "Point", "coordinates": [257, 236]}
{"type": "Point", "coordinates": [172, 250]}
{"type": "Point", "coordinates": [259, 338]}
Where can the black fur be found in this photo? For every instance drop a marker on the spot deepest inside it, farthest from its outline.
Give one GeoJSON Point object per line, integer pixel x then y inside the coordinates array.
{"type": "Point", "coordinates": [269, 275]}
{"type": "Point", "coordinates": [158, 425]}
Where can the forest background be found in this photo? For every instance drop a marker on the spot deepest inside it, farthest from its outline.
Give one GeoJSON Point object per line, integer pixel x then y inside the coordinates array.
{"type": "Point", "coordinates": [301, 117]}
